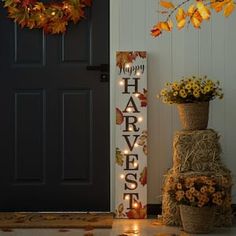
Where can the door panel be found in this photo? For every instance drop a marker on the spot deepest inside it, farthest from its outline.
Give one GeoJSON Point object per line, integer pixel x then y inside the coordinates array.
{"type": "Point", "coordinates": [54, 139]}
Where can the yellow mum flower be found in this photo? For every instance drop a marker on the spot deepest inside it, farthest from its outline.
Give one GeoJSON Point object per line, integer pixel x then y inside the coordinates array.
{"type": "Point", "coordinates": [179, 186]}
{"type": "Point", "coordinates": [163, 92]}
{"type": "Point", "coordinates": [219, 202]}
{"type": "Point", "coordinates": [209, 82]}
{"type": "Point", "coordinates": [192, 190]}
{"type": "Point", "coordinates": [203, 189]}
{"type": "Point", "coordinates": [175, 93]}
{"type": "Point", "coordinates": [164, 100]}
{"type": "Point", "coordinates": [188, 194]}
{"type": "Point", "coordinates": [176, 86]}
{"type": "Point", "coordinates": [180, 193]}
{"type": "Point", "coordinates": [203, 91]}
{"type": "Point", "coordinates": [200, 204]}
{"type": "Point", "coordinates": [207, 88]}
{"type": "Point", "coordinates": [196, 193]}
{"type": "Point", "coordinates": [192, 199]}
{"type": "Point", "coordinates": [182, 93]}
{"type": "Point", "coordinates": [211, 189]}
{"type": "Point", "coordinates": [196, 93]}
{"type": "Point", "coordinates": [188, 86]}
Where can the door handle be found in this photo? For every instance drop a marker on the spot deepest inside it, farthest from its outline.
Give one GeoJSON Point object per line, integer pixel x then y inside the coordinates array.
{"type": "Point", "coordinates": [103, 68]}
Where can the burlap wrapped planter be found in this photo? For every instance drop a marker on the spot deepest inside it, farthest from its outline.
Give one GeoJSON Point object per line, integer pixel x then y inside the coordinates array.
{"type": "Point", "coordinates": [170, 208]}
{"type": "Point", "coordinates": [194, 116]}
{"type": "Point", "coordinates": [197, 220]}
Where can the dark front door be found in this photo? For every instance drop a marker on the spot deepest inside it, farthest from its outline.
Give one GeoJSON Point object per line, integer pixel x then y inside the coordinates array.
{"type": "Point", "coordinates": [54, 116]}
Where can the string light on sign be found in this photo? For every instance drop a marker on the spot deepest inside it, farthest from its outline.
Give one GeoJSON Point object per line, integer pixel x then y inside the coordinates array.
{"type": "Point", "coordinates": [140, 119]}
{"type": "Point", "coordinates": [135, 164]}
{"type": "Point", "coordinates": [129, 109]}
{"type": "Point", "coordinates": [126, 151]}
{"type": "Point", "coordinates": [122, 176]}
{"type": "Point", "coordinates": [133, 186]}
{"type": "Point", "coordinates": [121, 82]}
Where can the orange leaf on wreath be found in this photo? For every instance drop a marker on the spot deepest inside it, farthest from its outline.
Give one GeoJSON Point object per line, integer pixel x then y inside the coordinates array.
{"type": "Point", "coordinates": [138, 212]}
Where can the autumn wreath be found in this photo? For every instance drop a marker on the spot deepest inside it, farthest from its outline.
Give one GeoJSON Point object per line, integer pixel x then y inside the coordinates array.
{"type": "Point", "coordinates": [52, 17]}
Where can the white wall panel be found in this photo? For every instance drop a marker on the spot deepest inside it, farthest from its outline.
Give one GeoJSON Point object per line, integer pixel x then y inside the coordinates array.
{"type": "Point", "coordinates": [210, 50]}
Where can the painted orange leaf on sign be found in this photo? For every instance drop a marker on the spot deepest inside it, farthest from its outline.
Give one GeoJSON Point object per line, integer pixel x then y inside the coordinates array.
{"type": "Point", "coordinates": [138, 212]}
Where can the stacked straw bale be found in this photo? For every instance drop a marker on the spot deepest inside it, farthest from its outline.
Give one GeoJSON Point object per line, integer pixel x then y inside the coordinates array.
{"type": "Point", "coordinates": [195, 153]}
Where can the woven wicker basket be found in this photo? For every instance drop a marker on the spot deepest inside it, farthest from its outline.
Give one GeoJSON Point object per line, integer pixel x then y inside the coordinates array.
{"type": "Point", "coordinates": [197, 220]}
{"type": "Point", "coordinates": [194, 116]}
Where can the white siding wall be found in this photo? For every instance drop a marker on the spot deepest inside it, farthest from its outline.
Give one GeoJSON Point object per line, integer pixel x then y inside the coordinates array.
{"type": "Point", "coordinates": [210, 51]}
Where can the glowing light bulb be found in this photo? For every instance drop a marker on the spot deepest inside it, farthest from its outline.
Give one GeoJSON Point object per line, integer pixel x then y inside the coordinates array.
{"type": "Point", "coordinates": [129, 109]}
{"type": "Point", "coordinates": [127, 65]}
{"type": "Point", "coordinates": [136, 95]}
{"type": "Point", "coordinates": [135, 205]}
{"type": "Point", "coordinates": [126, 151]}
{"type": "Point", "coordinates": [135, 164]}
{"type": "Point", "coordinates": [136, 145]}
{"type": "Point", "coordinates": [127, 197]}
{"type": "Point", "coordinates": [53, 13]}
{"type": "Point", "coordinates": [138, 73]}
{"type": "Point", "coordinates": [122, 176]}
{"type": "Point", "coordinates": [121, 83]}
{"type": "Point", "coordinates": [140, 119]}
{"type": "Point", "coordinates": [131, 129]}
{"type": "Point", "coordinates": [132, 185]}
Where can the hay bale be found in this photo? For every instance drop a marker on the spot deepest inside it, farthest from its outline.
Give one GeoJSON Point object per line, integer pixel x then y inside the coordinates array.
{"type": "Point", "coordinates": [196, 151]}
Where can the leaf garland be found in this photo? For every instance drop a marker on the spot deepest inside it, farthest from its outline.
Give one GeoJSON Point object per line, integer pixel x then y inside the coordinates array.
{"type": "Point", "coordinates": [53, 18]}
{"type": "Point", "coordinates": [195, 12]}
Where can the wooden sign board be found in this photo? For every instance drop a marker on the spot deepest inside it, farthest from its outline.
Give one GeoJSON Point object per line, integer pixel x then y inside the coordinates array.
{"type": "Point", "coordinates": [131, 135]}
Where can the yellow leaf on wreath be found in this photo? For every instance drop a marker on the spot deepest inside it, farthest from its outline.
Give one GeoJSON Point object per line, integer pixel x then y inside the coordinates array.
{"type": "Point", "coordinates": [39, 6]}
{"type": "Point", "coordinates": [229, 8]}
{"type": "Point", "coordinates": [203, 10]}
{"type": "Point", "coordinates": [167, 5]}
{"type": "Point", "coordinates": [180, 15]}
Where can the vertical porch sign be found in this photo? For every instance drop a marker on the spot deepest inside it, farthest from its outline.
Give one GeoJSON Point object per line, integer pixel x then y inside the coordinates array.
{"type": "Point", "coordinates": [131, 135]}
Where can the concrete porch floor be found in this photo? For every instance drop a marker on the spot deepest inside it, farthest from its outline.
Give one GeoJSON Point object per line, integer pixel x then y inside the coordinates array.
{"type": "Point", "coordinates": [120, 228]}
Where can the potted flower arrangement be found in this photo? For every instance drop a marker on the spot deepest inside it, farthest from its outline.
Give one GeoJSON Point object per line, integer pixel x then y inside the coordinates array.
{"type": "Point", "coordinates": [198, 197]}
{"type": "Point", "coordinates": [192, 96]}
